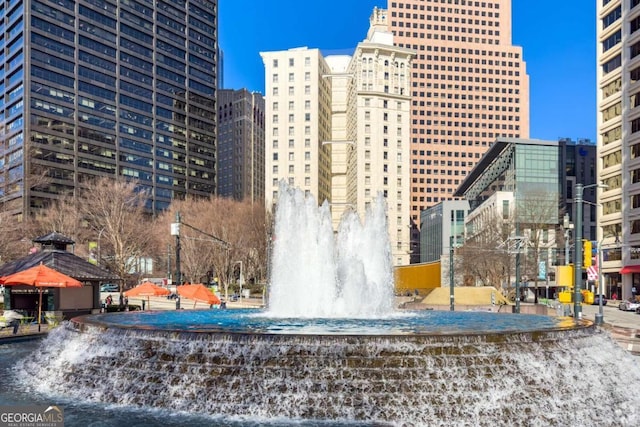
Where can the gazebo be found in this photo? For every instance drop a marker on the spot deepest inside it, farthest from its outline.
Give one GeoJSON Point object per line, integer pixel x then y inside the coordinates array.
{"type": "Point", "coordinates": [53, 253]}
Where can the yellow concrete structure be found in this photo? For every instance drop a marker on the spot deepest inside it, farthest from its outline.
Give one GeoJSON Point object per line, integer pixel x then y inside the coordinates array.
{"type": "Point", "coordinates": [417, 277]}
{"type": "Point", "coordinates": [466, 295]}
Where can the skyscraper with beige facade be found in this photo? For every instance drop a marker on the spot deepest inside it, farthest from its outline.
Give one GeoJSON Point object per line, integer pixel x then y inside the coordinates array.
{"type": "Point", "coordinates": [469, 85]}
{"type": "Point", "coordinates": [618, 31]}
{"type": "Point", "coordinates": [297, 122]}
{"type": "Point", "coordinates": [365, 136]}
{"type": "Point", "coordinates": [379, 160]}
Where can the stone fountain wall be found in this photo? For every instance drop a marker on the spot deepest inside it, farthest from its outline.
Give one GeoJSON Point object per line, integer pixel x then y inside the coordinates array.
{"type": "Point", "coordinates": [534, 378]}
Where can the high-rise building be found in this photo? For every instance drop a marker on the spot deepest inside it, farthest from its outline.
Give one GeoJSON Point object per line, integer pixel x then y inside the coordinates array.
{"type": "Point", "coordinates": [342, 132]}
{"type": "Point", "coordinates": [378, 162]}
{"type": "Point", "coordinates": [241, 145]}
{"type": "Point", "coordinates": [618, 33]}
{"type": "Point", "coordinates": [469, 86]}
{"type": "Point", "coordinates": [362, 129]}
{"type": "Point", "coordinates": [108, 88]}
{"type": "Point", "coordinates": [578, 158]}
{"type": "Point", "coordinates": [297, 122]}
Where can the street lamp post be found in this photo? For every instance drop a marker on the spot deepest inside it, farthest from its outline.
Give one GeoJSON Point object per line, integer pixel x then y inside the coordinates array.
{"type": "Point", "coordinates": [175, 231]}
{"type": "Point", "coordinates": [599, 319]}
{"type": "Point", "coordinates": [517, 272]}
{"type": "Point", "coordinates": [241, 280]}
{"type": "Point", "coordinates": [567, 234]}
{"type": "Point", "coordinates": [579, 190]}
{"type": "Point", "coordinates": [99, 263]}
{"type": "Point", "coordinates": [577, 262]}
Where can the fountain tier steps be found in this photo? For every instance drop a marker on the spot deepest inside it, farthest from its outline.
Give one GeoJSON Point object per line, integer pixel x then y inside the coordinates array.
{"type": "Point", "coordinates": [524, 378]}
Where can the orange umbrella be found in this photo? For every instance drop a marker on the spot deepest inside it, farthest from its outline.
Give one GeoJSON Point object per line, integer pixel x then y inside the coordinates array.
{"type": "Point", "coordinates": [198, 292]}
{"type": "Point", "coordinates": [147, 289]}
{"type": "Point", "coordinates": [41, 276]}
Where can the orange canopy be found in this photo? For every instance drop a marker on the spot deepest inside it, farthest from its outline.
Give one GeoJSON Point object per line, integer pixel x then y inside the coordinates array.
{"type": "Point", "coordinates": [147, 289]}
{"type": "Point", "coordinates": [41, 276]}
{"type": "Point", "coordinates": [198, 293]}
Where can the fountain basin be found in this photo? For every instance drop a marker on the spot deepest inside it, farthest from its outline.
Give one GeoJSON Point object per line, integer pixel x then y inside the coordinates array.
{"type": "Point", "coordinates": [542, 371]}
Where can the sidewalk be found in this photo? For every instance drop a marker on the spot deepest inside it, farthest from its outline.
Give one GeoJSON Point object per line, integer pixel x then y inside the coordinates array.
{"type": "Point", "coordinates": [624, 326]}
{"type": "Point", "coordinates": [25, 332]}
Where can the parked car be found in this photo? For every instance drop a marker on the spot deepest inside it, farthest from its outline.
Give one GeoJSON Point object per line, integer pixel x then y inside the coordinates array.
{"type": "Point", "coordinates": [596, 299]}
{"type": "Point", "coordinates": [629, 305]}
{"type": "Point", "coordinates": [109, 287]}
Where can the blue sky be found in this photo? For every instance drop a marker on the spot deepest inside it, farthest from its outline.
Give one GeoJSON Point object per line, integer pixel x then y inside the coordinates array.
{"type": "Point", "coordinates": [557, 36]}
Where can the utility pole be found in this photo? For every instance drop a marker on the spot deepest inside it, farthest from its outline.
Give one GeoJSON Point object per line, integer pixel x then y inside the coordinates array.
{"type": "Point", "coordinates": [175, 231]}
{"type": "Point", "coordinates": [451, 274]}
{"type": "Point", "coordinates": [599, 319]}
{"type": "Point", "coordinates": [518, 266]}
{"type": "Point", "coordinates": [567, 234]}
{"type": "Point", "coordinates": [168, 260]}
{"type": "Point", "coordinates": [577, 263]}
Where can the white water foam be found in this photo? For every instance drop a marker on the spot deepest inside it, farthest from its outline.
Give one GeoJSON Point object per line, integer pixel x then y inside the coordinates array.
{"type": "Point", "coordinates": [318, 274]}
{"type": "Point", "coordinates": [564, 378]}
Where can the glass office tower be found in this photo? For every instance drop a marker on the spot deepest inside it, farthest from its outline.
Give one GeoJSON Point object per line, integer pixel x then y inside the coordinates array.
{"type": "Point", "coordinates": [107, 88]}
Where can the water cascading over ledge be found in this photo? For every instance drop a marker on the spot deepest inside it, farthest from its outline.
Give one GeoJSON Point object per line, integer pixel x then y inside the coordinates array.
{"type": "Point", "coordinates": [544, 378]}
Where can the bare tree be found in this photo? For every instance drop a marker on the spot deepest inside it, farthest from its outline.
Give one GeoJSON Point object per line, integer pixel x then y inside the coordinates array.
{"type": "Point", "coordinates": [484, 255]}
{"type": "Point", "coordinates": [216, 234]}
{"type": "Point", "coordinates": [63, 216]}
{"type": "Point", "coordinates": [197, 244]}
{"type": "Point", "coordinates": [15, 222]}
{"type": "Point", "coordinates": [114, 209]}
{"type": "Point", "coordinates": [16, 241]}
{"type": "Point", "coordinates": [538, 216]}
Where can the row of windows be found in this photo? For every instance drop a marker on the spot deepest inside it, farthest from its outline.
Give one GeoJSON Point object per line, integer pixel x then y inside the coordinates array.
{"type": "Point", "coordinates": [469, 3]}
{"type": "Point", "coordinates": [611, 88]}
{"type": "Point", "coordinates": [471, 125]}
{"type": "Point", "coordinates": [612, 17]}
{"type": "Point", "coordinates": [612, 40]}
{"type": "Point", "coordinates": [471, 79]}
{"type": "Point", "coordinates": [421, 17]}
{"type": "Point", "coordinates": [307, 77]}
{"type": "Point", "coordinates": [450, 29]}
{"type": "Point", "coordinates": [612, 112]}
{"type": "Point", "coordinates": [447, 37]}
{"type": "Point", "coordinates": [307, 118]}
{"type": "Point", "coordinates": [490, 135]}
{"type": "Point", "coordinates": [307, 62]}
{"type": "Point", "coordinates": [107, 50]}
{"type": "Point", "coordinates": [612, 159]}
{"type": "Point", "coordinates": [464, 60]}
{"type": "Point", "coordinates": [612, 64]}
{"type": "Point", "coordinates": [611, 135]}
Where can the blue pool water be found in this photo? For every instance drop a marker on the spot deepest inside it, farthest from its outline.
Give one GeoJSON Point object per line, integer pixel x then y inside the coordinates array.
{"type": "Point", "coordinates": [256, 321]}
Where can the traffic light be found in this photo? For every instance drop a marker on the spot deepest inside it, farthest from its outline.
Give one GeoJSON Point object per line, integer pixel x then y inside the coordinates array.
{"type": "Point", "coordinates": [586, 253]}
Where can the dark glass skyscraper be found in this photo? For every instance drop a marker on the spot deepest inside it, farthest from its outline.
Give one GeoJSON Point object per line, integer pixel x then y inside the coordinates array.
{"type": "Point", "coordinates": [107, 88]}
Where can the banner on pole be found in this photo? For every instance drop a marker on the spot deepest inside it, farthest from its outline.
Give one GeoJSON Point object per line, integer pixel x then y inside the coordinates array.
{"type": "Point", "coordinates": [542, 270]}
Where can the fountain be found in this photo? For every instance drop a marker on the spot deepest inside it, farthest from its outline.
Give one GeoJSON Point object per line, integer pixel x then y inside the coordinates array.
{"type": "Point", "coordinates": [331, 349]}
